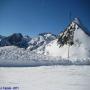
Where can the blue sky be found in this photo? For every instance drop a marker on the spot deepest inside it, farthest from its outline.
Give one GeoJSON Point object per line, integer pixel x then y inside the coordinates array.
{"type": "Point", "coordinates": [31, 17]}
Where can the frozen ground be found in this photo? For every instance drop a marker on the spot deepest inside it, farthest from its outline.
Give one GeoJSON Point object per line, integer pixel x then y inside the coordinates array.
{"type": "Point", "coordinates": [46, 77]}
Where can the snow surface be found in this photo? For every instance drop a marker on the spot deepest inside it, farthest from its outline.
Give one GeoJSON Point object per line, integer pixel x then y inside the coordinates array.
{"type": "Point", "coordinates": [46, 78]}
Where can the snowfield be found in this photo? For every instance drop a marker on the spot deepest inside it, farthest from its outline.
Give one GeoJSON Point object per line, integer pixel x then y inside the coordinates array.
{"type": "Point", "coordinates": [46, 78]}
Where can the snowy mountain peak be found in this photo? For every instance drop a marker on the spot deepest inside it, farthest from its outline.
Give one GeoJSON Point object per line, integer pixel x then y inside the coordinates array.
{"type": "Point", "coordinates": [75, 24]}
{"type": "Point", "coordinates": [77, 21]}
{"type": "Point", "coordinates": [73, 38]}
{"type": "Point", "coordinates": [78, 24]}
{"type": "Point", "coordinates": [67, 37]}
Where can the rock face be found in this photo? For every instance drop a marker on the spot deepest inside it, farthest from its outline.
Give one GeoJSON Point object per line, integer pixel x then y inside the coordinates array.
{"type": "Point", "coordinates": [15, 38]}
{"type": "Point", "coordinates": [67, 36]}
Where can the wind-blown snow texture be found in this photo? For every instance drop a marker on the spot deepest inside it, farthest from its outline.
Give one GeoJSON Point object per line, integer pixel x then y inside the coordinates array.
{"type": "Point", "coordinates": [70, 47]}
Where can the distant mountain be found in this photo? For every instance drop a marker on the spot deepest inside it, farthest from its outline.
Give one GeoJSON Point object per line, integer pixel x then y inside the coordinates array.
{"type": "Point", "coordinates": [38, 43]}
{"type": "Point", "coordinates": [17, 39]}
{"type": "Point", "coordinates": [1, 37]}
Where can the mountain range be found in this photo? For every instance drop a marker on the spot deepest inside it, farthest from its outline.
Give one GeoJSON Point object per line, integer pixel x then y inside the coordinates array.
{"type": "Point", "coordinates": [72, 43]}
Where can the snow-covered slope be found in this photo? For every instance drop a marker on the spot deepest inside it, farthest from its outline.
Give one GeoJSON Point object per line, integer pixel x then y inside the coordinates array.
{"type": "Point", "coordinates": [74, 42]}
{"type": "Point", "coordinates": [38, 43]}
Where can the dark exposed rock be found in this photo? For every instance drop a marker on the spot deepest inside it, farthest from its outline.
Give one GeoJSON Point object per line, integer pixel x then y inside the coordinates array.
{"type": "Point", "coordinates": [15, 38]}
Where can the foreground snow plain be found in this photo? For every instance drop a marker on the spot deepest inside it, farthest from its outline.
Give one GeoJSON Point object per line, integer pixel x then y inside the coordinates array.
{"type": "Point", "coordinates": [46, 77]}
